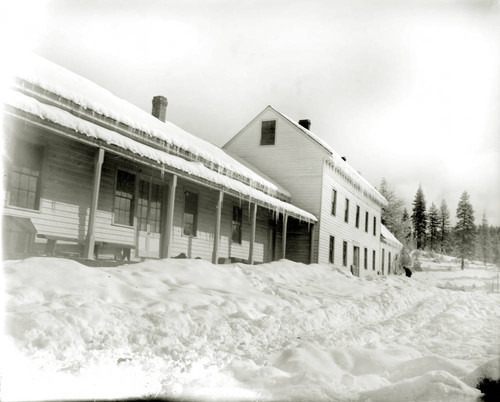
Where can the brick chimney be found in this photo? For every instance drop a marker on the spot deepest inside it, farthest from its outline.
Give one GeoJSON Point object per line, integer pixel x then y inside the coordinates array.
{"type": "Point", "coordinates": [160, 108]}
{"type": "Point", "coordinates": [306, 123]}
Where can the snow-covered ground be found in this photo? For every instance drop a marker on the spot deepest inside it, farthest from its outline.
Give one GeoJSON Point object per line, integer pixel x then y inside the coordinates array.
{"type": "Point", "coordinates": [280, 331]}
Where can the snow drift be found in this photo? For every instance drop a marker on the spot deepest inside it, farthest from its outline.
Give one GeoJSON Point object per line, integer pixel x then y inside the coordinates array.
{"type": "Point", "coordinates": [279, 331]}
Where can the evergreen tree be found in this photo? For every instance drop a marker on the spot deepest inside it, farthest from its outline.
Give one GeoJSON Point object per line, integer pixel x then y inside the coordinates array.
{"type": "Point", "coordinates": [484, 240]}
{"type": "Point", "coordinates": [392, 213]}
{"type": "Point", "coordinates": [434, 226]}
{"type": "Point", "coordinates": [419, 218]}
{"type": "Point", "coordinates": [465, 231]}
{"type": "Point", "coordinates": [495, 240]}
{"type": "Point", "coordinates": [406, 223]}
{"type": "Point", "coordinates": [444, 230]}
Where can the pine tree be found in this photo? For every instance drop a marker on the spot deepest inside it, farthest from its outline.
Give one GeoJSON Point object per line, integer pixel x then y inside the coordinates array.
{"type": "Point", "coordinates": [392, 213]}
{"type": "Point", "coordinates": [444, 231]}
{"type": "Point", "coordinates": [406, 223]}
{"type": "Point", "coordinates": [419, 218]}
{"type": "Point", "coordinates": [465, 229]}
{"type": "Point", "coordinates": [434, 226]}
{"type": "Point", "coordinates": [484, 240]}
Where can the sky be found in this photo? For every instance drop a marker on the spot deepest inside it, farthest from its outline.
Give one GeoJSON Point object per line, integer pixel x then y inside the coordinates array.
{"type": "Point", "coordinates": [408, 91]}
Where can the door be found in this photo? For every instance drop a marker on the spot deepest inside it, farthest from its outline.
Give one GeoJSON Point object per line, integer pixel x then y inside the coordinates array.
{"type": "Point", "coordinates": [355, 257]}
{"type": "Point", "coordinates": [149, 209]}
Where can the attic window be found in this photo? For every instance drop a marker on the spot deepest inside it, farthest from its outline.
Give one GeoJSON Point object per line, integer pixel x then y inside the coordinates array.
{"type": "Point", "coordinates": [268, 132]}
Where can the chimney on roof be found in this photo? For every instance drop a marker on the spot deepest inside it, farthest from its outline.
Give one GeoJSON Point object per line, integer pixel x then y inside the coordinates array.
{"type": "Point", "coordinates": [344, 158]}
{"type": "Point", "coordinates": [160, 108]}
{"type": "Point", "coordinates": [306, 123]}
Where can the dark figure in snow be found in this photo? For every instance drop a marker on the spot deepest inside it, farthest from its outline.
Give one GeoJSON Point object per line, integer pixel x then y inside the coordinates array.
{"type": "Point", "coordinates": [407, 272]}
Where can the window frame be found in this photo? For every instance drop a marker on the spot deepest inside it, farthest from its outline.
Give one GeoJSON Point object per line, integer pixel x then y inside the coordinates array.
{"type": "Point", "coordinates": [41, 150]}
{"type": "Point", "coordinates": [238, 224]}
{"type": "Point", "coordinates": [374, 260]}
{"type": "Point", "coordinates": [358, 212]}
{"type": "Point", "coordinates": [264, 141]}
{"type": "Point", "coordinates": [344, 253]}
{"type": "Point", "coordinates": [331, 250]}
{"type": "Point", "coordinates": [133, 199]}
{"type": "Point", "coordinates": [365, 258]}
{"type": "Point", "coordinates": [366, 221]}
{"type": "Point", "coordinates": [334, 202]}
{"type": "Point", "coordinates": [194, 232]}
{"type": "Point", "coordinates": [346, 211]}
{"type": "Point", "coordinates": [374, 225]}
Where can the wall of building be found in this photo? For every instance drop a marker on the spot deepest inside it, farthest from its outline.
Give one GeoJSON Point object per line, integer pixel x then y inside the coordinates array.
{"type": "Point", "coordinates": [335, 225]}
{"type": "Point", "coordinates": [294, 161]}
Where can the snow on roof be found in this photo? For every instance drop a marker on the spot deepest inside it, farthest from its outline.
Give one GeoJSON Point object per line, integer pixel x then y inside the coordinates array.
{"type": "Point", "coordinates": [347, 169]}
{"type": "Point", "coordinates": [66, 119]}
{"type": "Point", "coordinates": [388, 235]}
{"type": "Point", "coordinates": [66, 84]}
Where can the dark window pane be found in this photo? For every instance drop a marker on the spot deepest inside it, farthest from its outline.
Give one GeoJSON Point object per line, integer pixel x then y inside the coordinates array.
{"type": "Point", "coordinates": [268, 132]}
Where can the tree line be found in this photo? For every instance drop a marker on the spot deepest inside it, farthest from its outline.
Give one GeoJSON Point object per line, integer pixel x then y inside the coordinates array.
{"type": "Point", "coordinates": [431, 229]}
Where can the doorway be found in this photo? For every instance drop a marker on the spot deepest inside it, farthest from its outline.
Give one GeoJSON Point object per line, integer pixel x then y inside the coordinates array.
{"type": "Point", "coordinates": [149, 211]}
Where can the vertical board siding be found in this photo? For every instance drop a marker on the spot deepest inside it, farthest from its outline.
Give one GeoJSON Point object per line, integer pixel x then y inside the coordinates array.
{"type": "Point", "coordinates": [294, 161]}
{"type": "Point", "coordinates": [336, 226]}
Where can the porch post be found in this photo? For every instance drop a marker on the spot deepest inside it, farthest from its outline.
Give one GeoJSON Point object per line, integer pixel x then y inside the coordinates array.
{"type": "Point", "coordinates": [168, 230]}
{"type": "Point", "coordinates": [311, 244]}
{"type": "Point", "coordinates": [215, 254]}
{"type": "Point", "coordinates": [252, 233]}
{"type": "Point", "coordinates": [283, 235]}
{"type": "Point", "coordinates": [88, 251]}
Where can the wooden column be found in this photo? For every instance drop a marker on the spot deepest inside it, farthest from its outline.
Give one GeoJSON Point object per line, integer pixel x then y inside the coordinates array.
{"type": "Point", "coordinates": [88, 251]}
{"type": "Point", "coordinates": [215, 254]}
{"type": "Point", "coordinates": [169, 221]}
{"type": "Point", "coordinates": [252, 233]}
{"type": "Point", "coordinates": [311, 244]}
{"type": "Point", "coordinates": [283, 235]}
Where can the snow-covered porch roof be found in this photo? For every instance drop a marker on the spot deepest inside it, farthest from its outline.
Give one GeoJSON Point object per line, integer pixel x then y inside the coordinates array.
{"type": "Point", "coordinates": [53, 84]}
{"type": "Point", "coordinates": [389, 237]}
{"type": "Point", "coordinates": [51, 117]}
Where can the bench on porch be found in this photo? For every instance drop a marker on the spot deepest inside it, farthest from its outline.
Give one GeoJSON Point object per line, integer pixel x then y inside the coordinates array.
{"type": "Point", "coordinates": [122, 250]}
{"type": "Point", "coordinates": [53, 239]}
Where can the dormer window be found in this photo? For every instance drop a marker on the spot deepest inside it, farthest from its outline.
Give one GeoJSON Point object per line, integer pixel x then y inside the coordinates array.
{"type": "Point", "coordinates": [268, 132]}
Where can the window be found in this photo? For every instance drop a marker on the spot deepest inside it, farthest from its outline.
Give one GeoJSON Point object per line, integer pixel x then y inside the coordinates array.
{"type": "Point", "coordinates": [268, 132]}
{"type": "Point", "coordinates": [24, 175]}
{"type": "Point", "coordinates": [334, 202]}
{"type": "Point", "coordinates": [374, 225]}
{"type": "Point", "coordinates": [331, 254]}
{"type": "Point", "coordinates": [357, 216]}
{"type": "Point", "coordinates": [124, 198]}
{"type": "Point", "coordinates": [346, 212]}
{"type": "Point", "coordinates": [373, 260]}
{"type": "Point", "coordinates": [189, 224]}
{"type": "Point", "coordinates": [389, 263]}
{"type": "Point", "coordinates": [383, 260]}
{"type": "Point", "coordinates": [149, 200]}
{"type": "Point", "coordinates": [366, 221]}
{"type": "Point", "coordinates": [344, 254]}
{"type": "Point", "coordinates": [237, 223]}
{"type": "Point", "coordinates": [365, 260]}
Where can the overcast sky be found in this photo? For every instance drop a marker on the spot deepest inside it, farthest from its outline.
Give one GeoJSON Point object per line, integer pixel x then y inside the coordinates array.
{"type": "Point", "coordinates": [409, 91]}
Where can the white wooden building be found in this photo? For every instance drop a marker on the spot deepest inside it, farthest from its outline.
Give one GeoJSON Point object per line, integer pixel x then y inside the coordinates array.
{"type": "Point", "coordinates": [87, 173]}
{"type": "Point", "coordinates": [348, 232]}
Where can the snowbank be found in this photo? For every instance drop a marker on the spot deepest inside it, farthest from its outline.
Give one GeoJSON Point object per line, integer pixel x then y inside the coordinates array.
{"type": "Point", "coordinates": [279, 331]}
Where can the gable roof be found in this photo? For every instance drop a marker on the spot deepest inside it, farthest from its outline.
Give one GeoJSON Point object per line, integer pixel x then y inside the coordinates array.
{"type": "Point", "coordinates": [334, 158]}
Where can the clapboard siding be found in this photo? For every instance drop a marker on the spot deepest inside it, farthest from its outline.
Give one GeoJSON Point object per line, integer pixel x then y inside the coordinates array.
{"type": "Point", "coordinates": [336, 226]}
{"type": "Point", "coordinates": [295, 161]}
{"type": "Point", "coordinates": [202, 245]}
